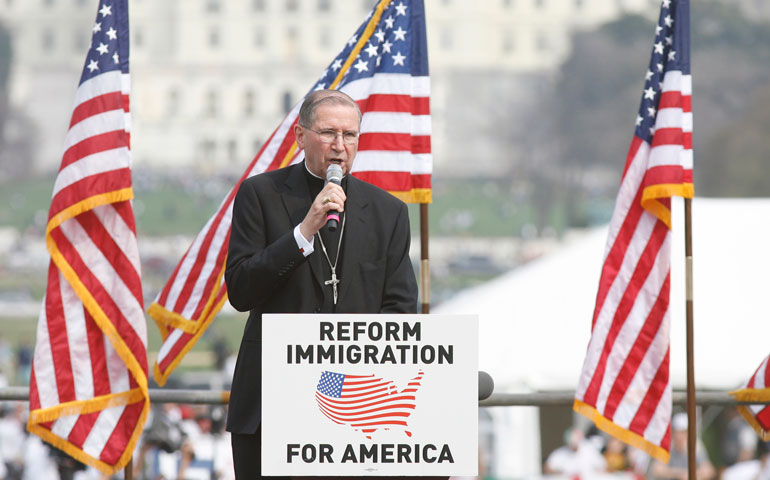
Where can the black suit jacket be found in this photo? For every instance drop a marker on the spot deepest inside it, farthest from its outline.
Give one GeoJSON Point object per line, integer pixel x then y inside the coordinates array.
{"type": "Point", "coordinates": [267, 273]}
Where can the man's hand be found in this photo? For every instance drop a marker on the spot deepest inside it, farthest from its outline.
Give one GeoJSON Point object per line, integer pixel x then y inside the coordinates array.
{"type": "Point", "coordinates": [332, 197]}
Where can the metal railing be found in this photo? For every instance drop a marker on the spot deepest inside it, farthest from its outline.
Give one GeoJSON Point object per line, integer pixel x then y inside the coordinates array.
{"type": "Point", "coordinates": [558, 399]}
{"type": "Point", "coordinates": [157, 395]}
{"type": "Point", "coordinates": [536, 399]}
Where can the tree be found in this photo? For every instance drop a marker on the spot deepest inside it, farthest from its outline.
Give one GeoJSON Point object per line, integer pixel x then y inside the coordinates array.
{"type": "Point", "coordinates": [737, 158]}
{"type": "Point", "coordinates": [600, 85]}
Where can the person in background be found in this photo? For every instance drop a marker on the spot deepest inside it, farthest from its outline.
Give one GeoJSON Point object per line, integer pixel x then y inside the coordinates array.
{"type": "Point", "coordinates": [578, 456]}
{"type": "Point", "coordinates": [211, 457]}
{"type": "Point", "coordinates": [615, 454]}
{"type": "Point", "coordinates": [749, 466]}
{"type": "Point", "coordinates": [165, 450]}
{"type": "Point", "coordinates": [733, 442]}
{"type": "Point", "coordinates": [677, 464]}
{"type": "Point", "coordinates": [12, 436]}
{"type": "Point", "coordinates": [764, 461]}
{"type": "Point", "coordinates": [23, 362]}
{"type": "Point", "coordinates": [38, 462]}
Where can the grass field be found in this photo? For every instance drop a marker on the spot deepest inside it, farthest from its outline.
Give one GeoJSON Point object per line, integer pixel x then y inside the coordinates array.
{"type": "Point", "coordinates": [24, 204]}
{"type": "Point", "coordinates": [170, 206]}
{"type": "Point", "coordinates": [162, 207]}
{"type": "Point", "coordinates": [18, 331]}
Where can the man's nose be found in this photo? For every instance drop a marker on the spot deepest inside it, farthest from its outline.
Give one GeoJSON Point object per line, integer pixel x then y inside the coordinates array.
{"type": "Point", "coordinates": [338, 143]}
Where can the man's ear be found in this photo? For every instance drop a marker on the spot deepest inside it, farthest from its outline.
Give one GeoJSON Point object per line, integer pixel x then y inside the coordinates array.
{"type": "Point", "coordinates": [299, 135]}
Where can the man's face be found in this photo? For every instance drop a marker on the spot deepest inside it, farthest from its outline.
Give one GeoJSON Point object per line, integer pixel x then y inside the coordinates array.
{"type": "Point", "coordinates": [339, 118]}
{"type": "Point", "coordinates": [679, 440]}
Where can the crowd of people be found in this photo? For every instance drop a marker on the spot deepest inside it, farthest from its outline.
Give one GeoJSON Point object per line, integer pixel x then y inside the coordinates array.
{"type": "Point", "coordinates": [591, 454]}
{"type": "Point", "coordinates": [189, 442]}
{"type": "Point", "coordinates": [182, 441]}
{"type": "Point", "coordinates": [179, 442]}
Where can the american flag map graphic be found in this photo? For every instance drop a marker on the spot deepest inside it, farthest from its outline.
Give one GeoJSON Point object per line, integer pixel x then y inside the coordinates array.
{"type": "Point", "coordinates": [624, 386]}
{"type": "Point", "coordinates": [384, 68]}
{"type": "Point", "coordinates": [366, 402]}
{"type": "Point", "coordinates": [88, 388]}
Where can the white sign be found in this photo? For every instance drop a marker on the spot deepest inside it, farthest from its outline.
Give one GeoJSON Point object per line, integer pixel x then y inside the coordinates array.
{"type": "Point", "coordinates": [370, 395]}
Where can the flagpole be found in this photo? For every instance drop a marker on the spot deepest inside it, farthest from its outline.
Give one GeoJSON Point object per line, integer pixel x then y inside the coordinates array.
{"type": "Point", "coordinates": [424, 261]}
{"type": "Point", "coordinates": [691, 420]}
{"type": "Point", "coordinates": [128, 472]}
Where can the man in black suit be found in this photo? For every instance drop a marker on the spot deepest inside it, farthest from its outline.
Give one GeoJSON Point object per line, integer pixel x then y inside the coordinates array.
{"type": "Point", "coordinates": [282, 259]}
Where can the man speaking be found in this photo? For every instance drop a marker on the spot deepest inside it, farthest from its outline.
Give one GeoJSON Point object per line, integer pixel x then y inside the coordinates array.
{"type": "Point", "coordinates": [283, 258]}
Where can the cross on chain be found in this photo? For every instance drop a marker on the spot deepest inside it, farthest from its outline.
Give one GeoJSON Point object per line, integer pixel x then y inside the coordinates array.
{"type": "Point", "coordinates": [333, 266]}
{"type": "Point", "coordinates": [333, 282]}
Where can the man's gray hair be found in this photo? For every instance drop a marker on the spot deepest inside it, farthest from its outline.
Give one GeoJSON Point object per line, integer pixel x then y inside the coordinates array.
{"type": "Point", "coordinates": [318, 97]}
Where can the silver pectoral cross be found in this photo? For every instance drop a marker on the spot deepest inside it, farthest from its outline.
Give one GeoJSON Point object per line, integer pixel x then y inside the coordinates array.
{"type": "Point", "coordinates": [333, 282]}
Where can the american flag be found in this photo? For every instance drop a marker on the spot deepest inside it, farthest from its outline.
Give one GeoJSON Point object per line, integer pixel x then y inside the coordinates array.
{"type": "Point", "coordinates": [365, 402]}
{"type": "Point", "coordinates": [624, 386]}
{"type": "Point", "coordinates": [88, 388]}
{"type": "Point", "coordinates": [757, 389]}
{"type": "Point", "coordinates": [384, 67]}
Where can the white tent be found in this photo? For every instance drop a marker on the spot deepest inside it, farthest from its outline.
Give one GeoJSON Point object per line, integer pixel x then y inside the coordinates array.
{"type": "Point", "coordinates": [535, 321]}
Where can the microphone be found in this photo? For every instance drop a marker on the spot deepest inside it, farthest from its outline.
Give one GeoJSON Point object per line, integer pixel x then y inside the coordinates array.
{"type": "Point", "coordinates": [486, 385]}
{"type": "Point", "coordinates": [333, 175]}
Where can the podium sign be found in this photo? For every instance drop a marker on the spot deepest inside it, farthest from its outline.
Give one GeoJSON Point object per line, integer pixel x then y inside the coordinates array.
{"type": "Point", "coordinates": [370, 395]}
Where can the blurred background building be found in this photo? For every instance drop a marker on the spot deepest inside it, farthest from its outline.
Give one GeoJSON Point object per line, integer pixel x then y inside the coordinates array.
{"type": "Point", "coordinates": [211, 79]}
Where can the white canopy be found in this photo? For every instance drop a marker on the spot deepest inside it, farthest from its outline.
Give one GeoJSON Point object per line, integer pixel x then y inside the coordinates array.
{"type": "Point", "coordinates": [535, 321]}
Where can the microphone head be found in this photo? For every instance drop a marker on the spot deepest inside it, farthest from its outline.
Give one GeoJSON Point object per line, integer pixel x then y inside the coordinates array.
{"type": "Point", "coordinates": [334, 174]}
{"type": "Point", "coordinates": [486, 385]}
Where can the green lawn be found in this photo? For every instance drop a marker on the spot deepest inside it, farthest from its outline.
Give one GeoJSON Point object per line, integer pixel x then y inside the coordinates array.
{"type": "Point", "coordinates": [170, 209]}
{"type": "Point", "coordinates": [170, 206]}
{"type": "Point", "coordinates": [22, 330]}
{"type": "Point", "coordinates": [25, 203]}
{"type": "Point", "coordinates": [475, 207]}
{"type": "Point", "coordinates": [162, 208]}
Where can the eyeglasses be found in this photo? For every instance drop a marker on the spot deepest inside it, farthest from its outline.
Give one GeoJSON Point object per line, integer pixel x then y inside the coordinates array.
{"type": "Point", "coordinates": [330, 136]}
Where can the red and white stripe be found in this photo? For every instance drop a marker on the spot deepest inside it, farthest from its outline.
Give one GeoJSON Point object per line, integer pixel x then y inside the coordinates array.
{"type": "Point", "coordinates": [671, 157]}
{"type": "Point", "coordinates": [367, 403]}
{"type": "Point", "coordinates": [757, 389]}
{"type": "Point", "coordinates": [88, 389]}
{"type": "Point", "coordinates": [624, 386]}
{"type": "Point", "coordinates": [394, 153]}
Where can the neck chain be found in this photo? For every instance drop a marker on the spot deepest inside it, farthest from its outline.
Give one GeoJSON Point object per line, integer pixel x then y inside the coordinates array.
{"type": "Point", "coordinates": [334, 280]}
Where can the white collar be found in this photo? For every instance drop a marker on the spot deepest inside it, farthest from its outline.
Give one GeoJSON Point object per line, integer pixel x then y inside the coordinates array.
{"type": "Point", "coordinates": [316, 176]}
